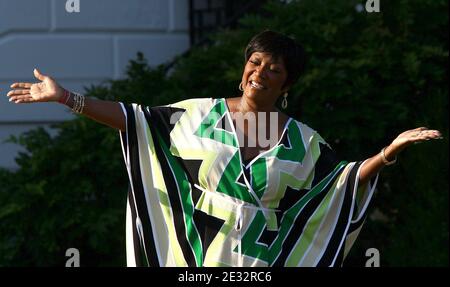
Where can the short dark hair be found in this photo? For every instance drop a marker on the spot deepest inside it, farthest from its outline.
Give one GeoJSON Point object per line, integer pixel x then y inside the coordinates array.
{"type": "Point", "coordinates": [279, 45]}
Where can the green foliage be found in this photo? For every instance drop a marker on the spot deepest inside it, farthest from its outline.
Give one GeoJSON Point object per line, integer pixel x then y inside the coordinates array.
{"type": "Point", "coordinates": [368, 78]}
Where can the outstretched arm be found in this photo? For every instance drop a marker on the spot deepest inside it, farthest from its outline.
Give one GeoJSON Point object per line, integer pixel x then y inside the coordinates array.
{"type": "Point", "coordinates": [374, 164]}
{"type": "Point", "coordinates": [48, 90]}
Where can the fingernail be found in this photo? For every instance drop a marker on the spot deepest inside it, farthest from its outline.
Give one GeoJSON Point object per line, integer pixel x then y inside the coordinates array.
{"type": "Point", "coordinates": [10, 99]}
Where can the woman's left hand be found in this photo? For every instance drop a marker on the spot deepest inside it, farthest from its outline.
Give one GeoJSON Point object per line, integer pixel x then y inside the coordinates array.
{"type": "Point", "coordinates": [413, 136]}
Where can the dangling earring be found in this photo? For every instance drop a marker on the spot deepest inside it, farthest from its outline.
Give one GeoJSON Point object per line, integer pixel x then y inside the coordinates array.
{"type": "Point", "coordinates": [284, 103]}
{"type": "Point", "coordinates": [240, 87]}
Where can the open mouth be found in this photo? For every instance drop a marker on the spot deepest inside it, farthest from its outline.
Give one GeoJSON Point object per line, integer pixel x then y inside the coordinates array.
{"type": "Point", "coordinates": [256, 85]}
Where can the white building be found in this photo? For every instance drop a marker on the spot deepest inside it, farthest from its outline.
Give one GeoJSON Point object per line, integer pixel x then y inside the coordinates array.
{"type": "Point", "coordinates": [78, 49]}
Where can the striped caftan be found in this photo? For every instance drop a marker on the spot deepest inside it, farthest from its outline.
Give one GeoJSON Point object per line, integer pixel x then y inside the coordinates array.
{"type": "Point", "coordinates": [194, 202]}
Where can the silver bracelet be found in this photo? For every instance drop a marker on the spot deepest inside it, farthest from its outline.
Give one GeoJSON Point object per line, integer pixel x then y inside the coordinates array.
{"type": "Point", "coordinates": [81, 106]}
{"type": "Point", "coordinates": [75, 102]}
{"type": "Point", "coordinates": [78, 103]}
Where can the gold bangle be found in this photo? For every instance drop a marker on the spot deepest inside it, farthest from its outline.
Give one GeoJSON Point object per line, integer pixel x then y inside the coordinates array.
{"type": "Point", "coordinates": [384, 159]}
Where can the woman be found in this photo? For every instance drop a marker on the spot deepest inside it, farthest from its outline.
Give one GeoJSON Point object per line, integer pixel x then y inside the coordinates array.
{"type": "Point", "coordinates": [209, 189]}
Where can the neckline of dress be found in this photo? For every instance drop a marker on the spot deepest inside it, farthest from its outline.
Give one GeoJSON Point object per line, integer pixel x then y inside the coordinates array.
{"type": "Point", "coordinates": [241, 159]}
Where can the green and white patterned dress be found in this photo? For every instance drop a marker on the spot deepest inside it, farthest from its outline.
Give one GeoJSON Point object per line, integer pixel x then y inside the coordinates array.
{"type": "Point", "coordinates": [194, 202]}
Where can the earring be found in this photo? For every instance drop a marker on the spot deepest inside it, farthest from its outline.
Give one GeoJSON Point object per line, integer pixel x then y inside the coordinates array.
{"type": "Point", "coordinates": [284, 103]}
{"type": "Point", "coordinates": [240, 87]}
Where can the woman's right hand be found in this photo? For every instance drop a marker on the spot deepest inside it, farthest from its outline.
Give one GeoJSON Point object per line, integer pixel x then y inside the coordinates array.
{"type": "Point", "coordinates": [45, 91]}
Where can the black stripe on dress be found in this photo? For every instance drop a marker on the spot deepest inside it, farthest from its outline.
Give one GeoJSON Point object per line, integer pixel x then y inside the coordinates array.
{"type": "Point", "coordinates": [355, 225]}
{"type": "Point", "coordinates": [136, 239]}
{"type": "Point", "coordinates": [172, 188]}
{"type": "Point", "coordinates": [139, 195]}
{"type": "Point", "coordinates": [333, 247]}
{"type": "Point", "coordinates": [300, 222]}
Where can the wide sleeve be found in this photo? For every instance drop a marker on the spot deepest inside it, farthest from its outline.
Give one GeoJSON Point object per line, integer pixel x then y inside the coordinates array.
{"type": "Point", "coordinates": [323, 223]}
{"type": "Point", "coordinates": [349, 199]}
{"type": "Point", "coordinates": [159, 223]}
{"type": "Point", "coordinates": [135, 142]}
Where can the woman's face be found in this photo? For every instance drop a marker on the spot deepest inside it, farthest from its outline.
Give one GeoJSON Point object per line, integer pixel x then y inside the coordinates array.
{"type": "Point", "coordinates": [263, 78]}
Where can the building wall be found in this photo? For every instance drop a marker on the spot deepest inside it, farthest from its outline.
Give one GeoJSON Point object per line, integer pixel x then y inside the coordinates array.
{"type": "Point", "coordinates": [78, 49]}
